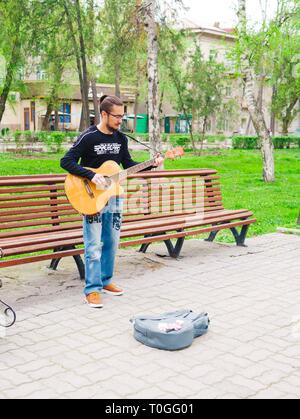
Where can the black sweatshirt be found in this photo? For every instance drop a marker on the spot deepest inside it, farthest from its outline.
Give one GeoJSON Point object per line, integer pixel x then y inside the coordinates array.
{"type": "Point", "coordinates": [94, 148]}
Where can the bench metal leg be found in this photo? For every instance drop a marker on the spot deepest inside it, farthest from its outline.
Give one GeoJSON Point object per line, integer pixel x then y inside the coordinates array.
{"type": "Point", "coordinates": [78, 260]}
{"type": "Point", "coordinates": [9, 314]}
{"type": "Point", "coordinates": [54, 263]}
{"type": "Point", "coordinates": [174, 251]}
{"type": "Point", "coordinates": [240, 237]}
{"type": "Point", "coordinates": [80, 266]}
{"type": "Point", "coordinates": [212, 235]}
{"type": "Point", "coordinates": [144, 247]}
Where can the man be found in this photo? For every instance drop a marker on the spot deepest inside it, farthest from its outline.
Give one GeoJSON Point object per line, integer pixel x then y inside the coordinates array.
{"type": "Point", "coordinates": [101, 231]}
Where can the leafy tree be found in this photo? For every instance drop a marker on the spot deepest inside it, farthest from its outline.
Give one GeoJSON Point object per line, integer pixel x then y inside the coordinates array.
{"type": "Point", "coordinates": [15, 34]}
{"type": "Point", "coordinates": [250, 52]}
{"type": "Point", "coordinates": [118, 35]}
{"type": "Point", "coordinates": [284, 59]}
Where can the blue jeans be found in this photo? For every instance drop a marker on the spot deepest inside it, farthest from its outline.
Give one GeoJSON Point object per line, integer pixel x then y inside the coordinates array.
{"type": "Point", "coordinates": [101, 234]}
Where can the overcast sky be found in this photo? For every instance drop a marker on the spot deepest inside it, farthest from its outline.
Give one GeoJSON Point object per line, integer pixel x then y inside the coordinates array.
{"type": "Point", "coordinates": [207, 12]}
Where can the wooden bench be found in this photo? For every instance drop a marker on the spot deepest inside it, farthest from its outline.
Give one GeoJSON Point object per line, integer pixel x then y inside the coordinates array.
{"type": "Point", "coordinates": [37, 222]}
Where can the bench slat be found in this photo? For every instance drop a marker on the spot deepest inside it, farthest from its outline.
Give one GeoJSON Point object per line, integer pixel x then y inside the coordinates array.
{"type": "Point", "coordinates": [180, 225]}
{"type": "Point", "coordinates": [196, 232]}
{"type": "Point", "coordinates": [40, 223]}
{"type": "Point", "coordinates": [8, 198]}
{"type": "Point", "coordinates": [42, 246]}
{"type": "Point", "coordinates": [31, 233]}
{"type": "Point", "coordinates": [37, 216]}
{"type": "Point", "coordinates": [39, 258]}
{"type": "Point", "coordinates": [209, 218]}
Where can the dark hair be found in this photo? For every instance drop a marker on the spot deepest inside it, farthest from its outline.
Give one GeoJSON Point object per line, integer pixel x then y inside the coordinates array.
{"type": "Point", "coordinates": [107, 102]}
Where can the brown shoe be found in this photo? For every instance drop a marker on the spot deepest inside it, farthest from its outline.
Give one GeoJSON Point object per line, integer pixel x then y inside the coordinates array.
{"type": "Point", "coordinates": [113, 289]}
{"type": "Point", "coordinates": [94, 300]}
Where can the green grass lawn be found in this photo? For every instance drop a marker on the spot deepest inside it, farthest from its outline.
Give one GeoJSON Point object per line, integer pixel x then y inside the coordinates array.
{"type": "Point", "coordinates": [274, 205]}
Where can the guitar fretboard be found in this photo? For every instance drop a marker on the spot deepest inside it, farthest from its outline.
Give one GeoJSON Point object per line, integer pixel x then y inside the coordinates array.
{"type": "Point", "coordinates": [132, 170]}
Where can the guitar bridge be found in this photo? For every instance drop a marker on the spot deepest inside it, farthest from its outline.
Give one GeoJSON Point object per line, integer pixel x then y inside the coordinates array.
{"type": "Point", "coordinates": [88, 189]}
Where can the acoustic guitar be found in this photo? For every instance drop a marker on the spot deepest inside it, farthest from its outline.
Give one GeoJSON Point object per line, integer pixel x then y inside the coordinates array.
{"type": "Point", "coordinates": [88, 198]}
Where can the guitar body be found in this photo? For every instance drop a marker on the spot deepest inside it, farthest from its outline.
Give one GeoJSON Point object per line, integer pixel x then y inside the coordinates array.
{"type": "Point", "coordinates": [86, 197]}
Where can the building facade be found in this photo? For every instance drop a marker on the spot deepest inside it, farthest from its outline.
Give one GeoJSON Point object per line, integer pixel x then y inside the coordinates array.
{"type": "Point", "coordinates": [26, 111]}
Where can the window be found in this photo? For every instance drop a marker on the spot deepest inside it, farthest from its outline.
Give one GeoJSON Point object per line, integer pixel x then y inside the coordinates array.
{"type": "Point", "coordinates": [65, 113]}
{"type": "Point", "coordinates": [209, 125]}
{"type": "Point", "coordinates": [223, 125]}
{"type": "Point", "coordinates": [41, 74]}
{"type": "Point", "coordinates": [26, 119]}
{"type": "Point", "coordinates": [228, 91]}
{"type": "Point", "coordinates": [32, 111]}
{"type": "Point", "coordinates": [213, 54]}
{"type": "Point", "coordinates": [21, 74]}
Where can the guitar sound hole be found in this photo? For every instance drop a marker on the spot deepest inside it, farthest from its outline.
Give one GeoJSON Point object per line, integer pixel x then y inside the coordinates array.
{"type": "Point", "coordinates": [108, 183]}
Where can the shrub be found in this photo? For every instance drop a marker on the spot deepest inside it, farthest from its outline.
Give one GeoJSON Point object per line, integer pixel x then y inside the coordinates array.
{"type": "Point", "coordinates": [5, 132]}
{"type": "Point", "coordinates": [215, 138]}
{"type": "Point", "coordinates": [180, 140]}
{"type": "Point", "coordinates": [245, 142]}
{"type": "Point", "coordinates": [252, 143]}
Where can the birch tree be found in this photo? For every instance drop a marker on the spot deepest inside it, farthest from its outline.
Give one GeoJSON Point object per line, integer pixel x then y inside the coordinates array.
{"type": "Point", "coordinates": [149, 9]}
{"type": "Point", "coordinates": [257, 115]}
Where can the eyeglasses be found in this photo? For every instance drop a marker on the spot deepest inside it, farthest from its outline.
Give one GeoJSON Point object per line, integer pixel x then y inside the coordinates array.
{"type": "Point", "coordinates": [116, 116]}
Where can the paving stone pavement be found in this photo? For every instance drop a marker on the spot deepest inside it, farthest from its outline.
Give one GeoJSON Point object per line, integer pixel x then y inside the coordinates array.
{"type": "Point", "coordinates": [60, 348]}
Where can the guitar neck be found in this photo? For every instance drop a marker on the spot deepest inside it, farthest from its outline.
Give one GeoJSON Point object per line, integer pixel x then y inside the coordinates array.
{"type": "Point", "coordinates": [134, 169]}
{"type": "Point", "coordinates": [139, 167]}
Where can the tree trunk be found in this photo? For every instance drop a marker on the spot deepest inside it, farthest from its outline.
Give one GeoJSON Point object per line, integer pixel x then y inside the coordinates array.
{"type": "Point", "coordinates": [260, 126]}
{"type": "Point", "coordinates": [288, 118]}
{"type": "Point", "coordinates": [45, 124]}
{"type": "Point", "coordinates": [248, 126]}
{"type": "Point", "coordinates": [161, 102]}
{"type": "Point", "coordinates": [90, 46]}
{"type": "Point", "coordinates": [84, 67]}
{"type": "Point", "coordinates": [138, 64]}
{"type": "Point", "coordinates": [53, 99]}
{"type": "Point", "coordinates": [56, 128]}
{"type": "Point", "coordinates": [260, 97]}
{"type": "Point", "coordinates": [117, 80]}
{"type": "Point", "coordinates": [82, 72]}
{"type": "Point", "coordinates": [96, 102]}
{"type": "Point", "coordinates": [285, 126]}
{"type": "Point", "coordinates": [136, 106]}
{"type": "Point", "coordinates": [257, 116]}
{"type": "Point", "coordinates": [153, 82]}
{"type": "Point", "coordinates": [204, 127]}
{"type": "Point", "coordinates": [82, 117]}
{"type": "Point", "coordinates": [9, 76]}
{"type": "Point", "coordinates": [259, 104]}
{"type": "Point", "coordinates": [273, 116]}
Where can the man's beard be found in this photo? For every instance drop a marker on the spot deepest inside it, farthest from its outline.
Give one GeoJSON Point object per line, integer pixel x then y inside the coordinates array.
{"type": "Point", "coordinates": [111, 129]}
